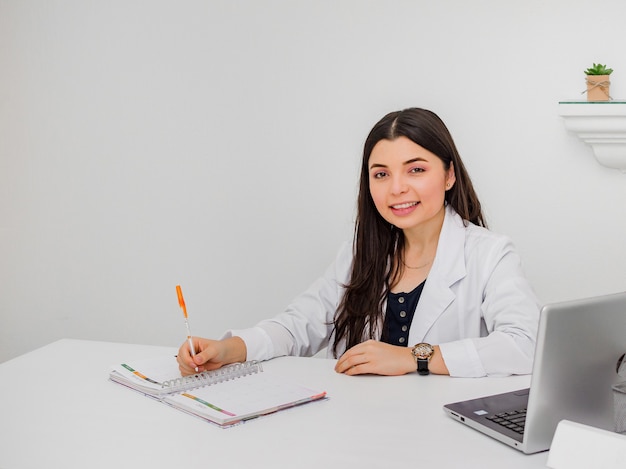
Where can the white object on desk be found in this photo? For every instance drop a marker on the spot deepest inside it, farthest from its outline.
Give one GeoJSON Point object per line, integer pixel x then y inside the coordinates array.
{"type": "Point", "coordinates": [578, 446]}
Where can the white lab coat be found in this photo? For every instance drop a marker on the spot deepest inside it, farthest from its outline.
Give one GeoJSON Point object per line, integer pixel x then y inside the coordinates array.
{"type": "Point", "coordinates": [476, 305]}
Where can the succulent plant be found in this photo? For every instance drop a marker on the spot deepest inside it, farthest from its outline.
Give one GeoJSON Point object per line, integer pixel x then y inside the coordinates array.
{"type": "Point", "coordinates": [598, 69]}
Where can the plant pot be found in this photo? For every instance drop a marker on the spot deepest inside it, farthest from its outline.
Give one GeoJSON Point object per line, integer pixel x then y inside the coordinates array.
{"type": "Point", "coordinates": [598, 87]}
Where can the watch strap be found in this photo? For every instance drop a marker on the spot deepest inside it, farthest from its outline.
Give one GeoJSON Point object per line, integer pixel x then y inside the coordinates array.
{"type": "Point", "coordinates": [422, 366]}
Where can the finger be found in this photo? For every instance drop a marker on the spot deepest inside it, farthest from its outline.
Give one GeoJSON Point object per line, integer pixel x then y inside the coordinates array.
{"type": "Point", "coordinates": [185, 360]}
{"type": "Point", "coordinates": [349, 361]}
{"type": "Point", "coordinates": [342, 364]}
{"type": "Point", "coordinates": [206, 359]}
{"type": "Point", "coordinates": [185, 370]}
{"type": "Point", "coordinates": [356, 370]}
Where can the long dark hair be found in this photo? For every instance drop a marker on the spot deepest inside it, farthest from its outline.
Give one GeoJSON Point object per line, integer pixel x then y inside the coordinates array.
{"type": "Point", "coordinates": [377, 244]}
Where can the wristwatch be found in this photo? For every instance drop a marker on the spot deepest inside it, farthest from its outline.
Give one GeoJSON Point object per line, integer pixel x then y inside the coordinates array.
{"type": "Point", "coordinates": [422, 353]}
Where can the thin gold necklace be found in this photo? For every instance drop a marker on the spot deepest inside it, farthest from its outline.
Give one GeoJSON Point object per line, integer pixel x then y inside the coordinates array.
{"type": "Point", "coordinates": [415, 268]}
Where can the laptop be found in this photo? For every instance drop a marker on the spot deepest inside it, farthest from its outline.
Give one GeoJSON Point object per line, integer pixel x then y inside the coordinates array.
{"type": "Point", "coordinates": [579, 347]}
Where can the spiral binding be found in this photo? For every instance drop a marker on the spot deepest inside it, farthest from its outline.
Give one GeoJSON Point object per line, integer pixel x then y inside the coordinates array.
{"type": "Point", "coordinates": [207, 378]}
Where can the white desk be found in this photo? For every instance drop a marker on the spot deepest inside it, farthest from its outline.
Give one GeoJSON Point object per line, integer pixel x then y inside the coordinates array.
{"type": "Point", "coordinates": [58, 410]}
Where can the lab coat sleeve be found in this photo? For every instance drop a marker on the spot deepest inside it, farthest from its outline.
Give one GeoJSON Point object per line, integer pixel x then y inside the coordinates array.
{"type": "Point", "coordinates": [509, 319]}
{"type": "Point", "coordinates": [305, 327]}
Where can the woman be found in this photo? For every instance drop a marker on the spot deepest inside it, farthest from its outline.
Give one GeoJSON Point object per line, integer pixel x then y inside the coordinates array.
{"type": "Point", "coordinates": [423, 269]}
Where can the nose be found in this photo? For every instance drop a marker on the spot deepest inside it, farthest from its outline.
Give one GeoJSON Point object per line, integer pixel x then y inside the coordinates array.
{"type": "Point", "coordinates": [398, 185]}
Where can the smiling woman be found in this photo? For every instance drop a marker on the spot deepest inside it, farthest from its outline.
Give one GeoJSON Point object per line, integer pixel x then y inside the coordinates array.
{"type": "Point", "coordinates": [423, 269]}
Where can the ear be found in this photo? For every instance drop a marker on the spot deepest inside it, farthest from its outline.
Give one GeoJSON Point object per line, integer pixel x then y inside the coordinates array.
{"type": "Point", "coordinates": [450, 177]}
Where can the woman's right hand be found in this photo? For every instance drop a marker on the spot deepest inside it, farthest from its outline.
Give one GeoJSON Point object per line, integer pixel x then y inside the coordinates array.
{"type": "Point", "coordinates": [210, 354]}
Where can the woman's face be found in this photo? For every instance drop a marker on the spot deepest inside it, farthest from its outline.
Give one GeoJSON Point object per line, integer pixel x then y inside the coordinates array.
{"type": "Point", "coordinates": [408, 183]}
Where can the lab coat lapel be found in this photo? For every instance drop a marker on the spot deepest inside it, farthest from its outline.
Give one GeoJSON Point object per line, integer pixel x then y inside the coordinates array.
{"type": "Point", "coordinates": [448, 268]}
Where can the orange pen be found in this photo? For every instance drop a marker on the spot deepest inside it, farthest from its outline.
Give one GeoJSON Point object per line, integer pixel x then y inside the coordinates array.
{"type": "Point", "coordinates": [181, 302]}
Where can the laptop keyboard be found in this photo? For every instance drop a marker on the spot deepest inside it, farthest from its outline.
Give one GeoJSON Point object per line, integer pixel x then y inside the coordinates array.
{"type": "Point", "coordinates": [513, 420]}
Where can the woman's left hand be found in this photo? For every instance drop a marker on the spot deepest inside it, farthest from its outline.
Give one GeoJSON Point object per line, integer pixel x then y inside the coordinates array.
{"type": "Point", "coordinates": [378, 358]}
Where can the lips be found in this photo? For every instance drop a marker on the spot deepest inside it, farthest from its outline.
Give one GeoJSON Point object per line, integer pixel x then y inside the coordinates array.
{"type": "Point", "coordinates": [404, 209]}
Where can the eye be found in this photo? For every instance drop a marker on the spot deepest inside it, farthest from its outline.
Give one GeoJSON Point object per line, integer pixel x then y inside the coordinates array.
{"type": "Point", "coordinates": [416, 170]}
{"type": "Point", "coordinates": [379, 174]}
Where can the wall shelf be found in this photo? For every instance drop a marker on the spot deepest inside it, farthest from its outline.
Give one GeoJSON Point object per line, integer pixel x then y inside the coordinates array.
{"type": "Point", "coordinates": [602, 125]}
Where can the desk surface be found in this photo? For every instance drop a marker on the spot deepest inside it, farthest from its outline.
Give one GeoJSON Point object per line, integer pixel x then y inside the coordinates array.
{"type": "Point", "coordinates": [58, 410]}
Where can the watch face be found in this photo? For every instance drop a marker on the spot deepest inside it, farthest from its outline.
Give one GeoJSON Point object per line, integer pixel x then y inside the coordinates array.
{"type": "Point", "coordinates": [423, 351]}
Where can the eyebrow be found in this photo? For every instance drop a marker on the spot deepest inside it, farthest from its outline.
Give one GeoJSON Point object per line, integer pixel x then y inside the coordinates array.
{"type": "Point", "coordinates": [412, 160]}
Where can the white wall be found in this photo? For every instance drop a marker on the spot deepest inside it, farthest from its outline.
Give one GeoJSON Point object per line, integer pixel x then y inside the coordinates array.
{"type": "Point", "coordinates": [216, 144]}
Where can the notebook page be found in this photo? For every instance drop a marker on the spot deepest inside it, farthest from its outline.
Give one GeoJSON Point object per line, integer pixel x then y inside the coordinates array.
{"type": "Point", "coordinates": [242, 398]}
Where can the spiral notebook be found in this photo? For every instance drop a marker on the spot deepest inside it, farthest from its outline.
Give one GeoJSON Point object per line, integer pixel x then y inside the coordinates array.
{"type": "Point", "coordinates": [229, 395]}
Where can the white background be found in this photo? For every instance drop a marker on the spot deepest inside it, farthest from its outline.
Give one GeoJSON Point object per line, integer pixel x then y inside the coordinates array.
{"type": "Point", "coordinates": [216, 145]}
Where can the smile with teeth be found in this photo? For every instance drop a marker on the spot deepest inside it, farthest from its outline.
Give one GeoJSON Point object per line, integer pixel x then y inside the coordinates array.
{"type": "Point", "coordinates": [405, 205]}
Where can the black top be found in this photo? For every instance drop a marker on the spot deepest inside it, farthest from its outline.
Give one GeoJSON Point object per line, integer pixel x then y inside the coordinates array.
{"type": "Point", "coordinates": [400, 311]}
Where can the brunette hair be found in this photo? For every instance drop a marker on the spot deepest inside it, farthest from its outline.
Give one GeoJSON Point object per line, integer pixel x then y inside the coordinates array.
{"type": "Point", "coordinates": [377, 244]}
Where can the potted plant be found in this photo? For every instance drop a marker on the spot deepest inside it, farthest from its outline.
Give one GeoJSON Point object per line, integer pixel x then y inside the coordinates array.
{"type": "Point", "coordinates": [598, 82]}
